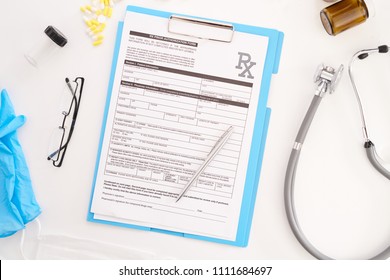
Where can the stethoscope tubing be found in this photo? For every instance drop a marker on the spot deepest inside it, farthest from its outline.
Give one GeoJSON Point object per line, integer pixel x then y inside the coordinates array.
{"type": "Point", "coordinates": [290, 180]}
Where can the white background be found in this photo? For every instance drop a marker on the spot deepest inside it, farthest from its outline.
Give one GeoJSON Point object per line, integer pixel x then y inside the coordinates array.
{"type": "Point", "coordinates": [342, 202]}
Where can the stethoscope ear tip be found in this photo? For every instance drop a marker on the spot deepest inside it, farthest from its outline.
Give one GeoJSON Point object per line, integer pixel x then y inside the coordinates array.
{"type": "Point", "coordinates": [363, 56]}
{"type": "Point", "coordinates": [383, 49]}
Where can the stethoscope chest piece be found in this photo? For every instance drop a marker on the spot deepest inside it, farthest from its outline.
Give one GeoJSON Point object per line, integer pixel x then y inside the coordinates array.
{"type": "Point", "coordinates": [328, 75]}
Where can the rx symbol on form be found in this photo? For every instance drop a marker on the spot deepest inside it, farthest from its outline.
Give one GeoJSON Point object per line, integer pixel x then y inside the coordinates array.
{"type": "Point", "coordinates": [245, 60]}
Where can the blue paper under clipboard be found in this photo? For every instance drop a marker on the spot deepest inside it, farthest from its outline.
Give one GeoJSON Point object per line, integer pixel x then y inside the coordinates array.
{"type": "Point", "coordinates": [275, 40]}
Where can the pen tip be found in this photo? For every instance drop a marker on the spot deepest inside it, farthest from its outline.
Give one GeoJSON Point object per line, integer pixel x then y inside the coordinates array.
{"type": "Point", "coordinates": [66, 80]}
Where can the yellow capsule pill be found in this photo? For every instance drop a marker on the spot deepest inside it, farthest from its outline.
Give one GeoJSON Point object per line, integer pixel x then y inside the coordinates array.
{"type": "Point", "coordinates": [93, 27]}
{"type": "Point", "coordinates": [96, 31]}
{"type": "Point", "coordinates": [85, 11]}
{"type": "Point", "coordinates": [98, 37]}
{"type": "Point", "coordinates": [105, 12]}
{"type": "Point", "coordinates": [97, 43]}
{"type": "Point", "coordinates": [88, 22]}
{"type": "Point", "coordinates": [109, 12]}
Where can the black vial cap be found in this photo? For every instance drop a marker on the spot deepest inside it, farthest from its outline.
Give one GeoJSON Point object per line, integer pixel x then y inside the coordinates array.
{"type": "Point", "coordinates": [56, 36]}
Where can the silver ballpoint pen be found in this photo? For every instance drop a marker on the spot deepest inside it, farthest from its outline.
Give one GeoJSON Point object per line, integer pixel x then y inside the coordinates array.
{"type": "Point", "coordinates": [214, 151]}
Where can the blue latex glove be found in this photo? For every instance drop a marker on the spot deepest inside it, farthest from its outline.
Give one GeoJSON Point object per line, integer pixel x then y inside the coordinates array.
{"type": "Point", "coordinates": [18, 205]}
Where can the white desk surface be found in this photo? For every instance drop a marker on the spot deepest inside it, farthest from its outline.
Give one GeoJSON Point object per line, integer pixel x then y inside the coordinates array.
{"type": "Point", "coordinates": [343, 204]}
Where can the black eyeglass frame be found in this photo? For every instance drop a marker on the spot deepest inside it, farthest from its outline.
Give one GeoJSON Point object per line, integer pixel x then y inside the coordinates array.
{"type": "Point", "coordinates": [76, 103]}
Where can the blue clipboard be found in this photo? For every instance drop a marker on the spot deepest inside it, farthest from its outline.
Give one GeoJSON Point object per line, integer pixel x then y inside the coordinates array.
{"type": "Point", "coordinates": [271, 65]}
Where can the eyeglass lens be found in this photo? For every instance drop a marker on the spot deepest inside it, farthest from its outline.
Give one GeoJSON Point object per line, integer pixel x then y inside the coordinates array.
{"type": "Point", "coordinates": [56, 143]}
{"type": "Point", "coordinates": [67, 97]}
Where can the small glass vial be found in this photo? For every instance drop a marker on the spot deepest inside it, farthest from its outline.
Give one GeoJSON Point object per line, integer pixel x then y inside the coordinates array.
{"type": "Point", "coordinates": [345, 14]}
{"type": "Point", "coordinates": [51, 41]}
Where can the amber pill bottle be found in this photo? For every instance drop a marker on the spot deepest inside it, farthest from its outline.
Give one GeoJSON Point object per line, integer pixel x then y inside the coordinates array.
{"type": "Point", "coordinates": [345, 14]}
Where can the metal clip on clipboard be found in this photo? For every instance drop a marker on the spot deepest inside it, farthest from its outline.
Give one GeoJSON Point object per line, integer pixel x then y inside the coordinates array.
{"type": "Point", "coordinates": [203, 29]}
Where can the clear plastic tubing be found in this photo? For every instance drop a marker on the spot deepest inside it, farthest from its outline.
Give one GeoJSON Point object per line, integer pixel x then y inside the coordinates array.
{"type": "Point", "coordinates": [52, 40]}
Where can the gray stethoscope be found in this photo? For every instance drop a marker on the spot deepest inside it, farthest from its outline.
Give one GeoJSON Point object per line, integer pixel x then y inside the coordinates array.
{"type": "Point", "coordinates": [327, 79]}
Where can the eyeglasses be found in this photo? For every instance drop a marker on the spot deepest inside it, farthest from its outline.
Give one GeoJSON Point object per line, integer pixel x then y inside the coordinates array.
{"type": "Point", "coordinates": [70, 105]}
